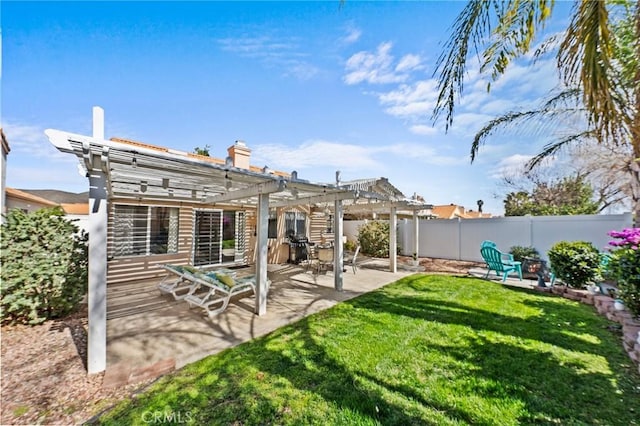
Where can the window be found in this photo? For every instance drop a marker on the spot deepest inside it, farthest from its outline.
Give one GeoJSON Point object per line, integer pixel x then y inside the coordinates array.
{"type": "Point", "coordinates": [295, 224]}
{"type": "Point", "coordinates": [144, 230]}
{"type": "Point", "coordinates": [273, 225]}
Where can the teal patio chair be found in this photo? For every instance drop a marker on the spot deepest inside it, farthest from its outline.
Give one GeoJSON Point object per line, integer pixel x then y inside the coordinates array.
{"type": "Point", "coordinates": [499, 262]}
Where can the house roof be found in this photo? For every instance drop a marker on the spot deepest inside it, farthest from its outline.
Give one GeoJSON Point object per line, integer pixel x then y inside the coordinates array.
{"type": "Point", "coordinates": [25, 196]}
{"type": "Point", "coordinates": [445, 211]}
{"type": "Point", "coordinates": [76, 208]}
{"type": "Point", "coordinates": [60, 197]}
{"type": "Point", "coordinates": [453, 211]}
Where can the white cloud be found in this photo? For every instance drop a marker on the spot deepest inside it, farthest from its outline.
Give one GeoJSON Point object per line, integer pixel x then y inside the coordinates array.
{"type": "Point", "coordinates": [353, 35]}
{"type": "Point", "coordinates": [373, 68]}
{"type": "Point", "coordinates": [420, 152]}
{"type": "Point", "coordinates": [408, 63]}
{"type": "Point", "coordinates": [422, 129]}
{"type": "Point", "coordinates": [314, 153]}
{"type": "Point", "coordinates": [509, 166]}
{"type": "Point", "coordinates": [285, 54]}
{"type": "Point", "coordinates": [30, 140]}
{"type": "Point", "coordinates": [414, 101]}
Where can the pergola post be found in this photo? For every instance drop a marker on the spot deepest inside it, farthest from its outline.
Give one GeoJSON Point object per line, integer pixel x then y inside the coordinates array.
{"type": "Point", "coordinates": [393, 240]}
{"type": "Point", "coordinates": [416, 234]}
{"type": "Point", "coordinates": [338, 248]}
{"type": "Point", "coordinates": [262, 285]}
{"type": "Point", "coordinates": [97, 268]}
{"type": "Point", "coordinates": [97, 297]}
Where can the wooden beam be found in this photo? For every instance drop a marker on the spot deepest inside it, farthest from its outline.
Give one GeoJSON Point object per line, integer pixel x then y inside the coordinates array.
{"type": "Point", "coordinates": [252, 191]}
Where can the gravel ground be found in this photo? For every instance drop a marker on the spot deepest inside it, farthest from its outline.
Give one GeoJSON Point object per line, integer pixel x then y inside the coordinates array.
{"type": "Point", "coordinates": [44, 376]}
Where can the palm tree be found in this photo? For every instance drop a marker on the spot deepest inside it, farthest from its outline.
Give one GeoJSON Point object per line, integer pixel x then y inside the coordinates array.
{"type": "Point", "coordinates": [588, 59]}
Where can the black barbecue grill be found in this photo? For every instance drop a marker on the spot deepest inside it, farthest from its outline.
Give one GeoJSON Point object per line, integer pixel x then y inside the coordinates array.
{"type": "Point", "coordinates": [298, 249]}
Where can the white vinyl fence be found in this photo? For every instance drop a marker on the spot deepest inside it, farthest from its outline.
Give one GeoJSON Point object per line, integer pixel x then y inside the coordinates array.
{"type": "Point", "coordinates": [460, 239]}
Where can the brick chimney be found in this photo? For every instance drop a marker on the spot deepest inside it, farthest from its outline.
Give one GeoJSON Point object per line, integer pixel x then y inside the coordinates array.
{"type": "Point", "coordinates": [240, 155]}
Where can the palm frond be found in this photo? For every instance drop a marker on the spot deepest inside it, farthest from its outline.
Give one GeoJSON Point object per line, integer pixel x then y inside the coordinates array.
{"type": "Point", "coordinates": [552, 113]}
{"type": "Point", "coordinates": [514, 33]}
{"type": "Point", "coordinates": [585, 59]}
{"type": "Point", "coordinates": [552, 148]}
{"type": "Point", "coordinates": [470, 29]}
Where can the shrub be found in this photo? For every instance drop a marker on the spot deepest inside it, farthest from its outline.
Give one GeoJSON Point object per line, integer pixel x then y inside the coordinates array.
{"type": "Point", "coordinates": [374, 238]}
{"type": "Point", "coordinates": [350, 246]}
{"type": "Point", "coordinates": [624, 266]}
{"type": "Point", "coordinates": [520, 252]}
{"type": "Point", "coordinates": [44, 266]}
{"type": "Point", "coordinates": [576, 263]}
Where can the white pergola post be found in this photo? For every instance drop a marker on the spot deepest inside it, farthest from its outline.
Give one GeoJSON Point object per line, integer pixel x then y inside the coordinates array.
{"type": "Point", "coordinates": [338, 247]}
{"type": "Point", "coordinates": [393, 240]}
{"type": "Point", "coordinates": [261, 259]}
{"type": "Point", "coordinates": [416, 234]}
{"type": "Point", "coordinates": [97, 227]}
{"type": "Point", "coordinates": [97, 297]}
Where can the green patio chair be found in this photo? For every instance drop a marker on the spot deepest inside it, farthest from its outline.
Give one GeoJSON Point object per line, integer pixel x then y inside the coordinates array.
{"type": "Point", "coordinates": [501, 263]}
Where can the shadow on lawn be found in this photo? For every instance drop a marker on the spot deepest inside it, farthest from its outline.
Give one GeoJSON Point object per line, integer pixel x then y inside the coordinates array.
{"type": "Point", "coordinates": [551, 390]}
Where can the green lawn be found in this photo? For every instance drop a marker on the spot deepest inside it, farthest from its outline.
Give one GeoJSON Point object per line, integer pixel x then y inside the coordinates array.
{"type": "Point", "coordinates": [425, 350]}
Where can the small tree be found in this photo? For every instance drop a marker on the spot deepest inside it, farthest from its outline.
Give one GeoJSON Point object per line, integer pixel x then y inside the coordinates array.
{"type": "Point", "coordinates": [564, 196]}
{"type": "Point", "coordinates": [374, 238]}
{"type": "Point", "coordinates": [576, 263]}
{"type": "Point", "coordinates": [44, 266]}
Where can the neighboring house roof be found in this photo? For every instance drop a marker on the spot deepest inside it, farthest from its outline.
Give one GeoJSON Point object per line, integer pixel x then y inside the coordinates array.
{"type": "Point", "coordinates": [76, 208]}
{"type": "Point", "coordinates": [81, 208]}
{"type": "Point", "coordinates": [450, 211]}
{"type": "Point", "coordinates": [59, 197]}
{"type": "Point", "coordinates": [453, 211]}
{"type": "Point", "coordinates": [25, 196]}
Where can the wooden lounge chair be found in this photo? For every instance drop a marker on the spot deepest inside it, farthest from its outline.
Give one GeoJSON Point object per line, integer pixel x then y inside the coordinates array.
{"type": "Point", "coordinates": [499, 262]}
{"type": "Point", "coordinates": [220, 288]}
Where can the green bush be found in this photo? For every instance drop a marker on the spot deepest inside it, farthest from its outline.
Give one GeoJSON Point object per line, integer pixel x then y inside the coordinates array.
{"type": "Point", "coordinates": [624, 267]}
{"type": "Point", "coordinates": [44, 266]}
{"type": "Point", "coordinates": [520, 252]}
{"type": "Point", "coordinates": [576, 263]}
{"type": "Point", "coordinates": [350, 246]}
{"type": "Point", "coordinates": [374, 238]}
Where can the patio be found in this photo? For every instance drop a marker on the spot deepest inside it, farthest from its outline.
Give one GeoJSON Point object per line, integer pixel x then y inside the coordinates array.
{"type": "Point", "coordinates": [145, 328]}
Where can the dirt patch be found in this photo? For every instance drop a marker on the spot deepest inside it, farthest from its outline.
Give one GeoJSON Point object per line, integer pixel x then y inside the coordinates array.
{"type": "Point", "coordinates": [44, 376]}
{"type": "Point", "coordinates": [445, 266]}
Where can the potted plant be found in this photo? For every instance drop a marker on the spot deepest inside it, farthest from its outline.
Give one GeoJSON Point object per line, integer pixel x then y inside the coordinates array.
{"type": "Point", "coordinates": [529, 257]}
{"type": "Point", "coordinates": [414, 259]}
{"type": "Point", "coordinates": [229, 247]}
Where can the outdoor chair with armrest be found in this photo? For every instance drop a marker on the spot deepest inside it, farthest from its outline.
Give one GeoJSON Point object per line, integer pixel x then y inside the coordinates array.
{"type": "Point", "coordinates": [500, 262]}
{"type": "Point", "coordinates": [353, 259]}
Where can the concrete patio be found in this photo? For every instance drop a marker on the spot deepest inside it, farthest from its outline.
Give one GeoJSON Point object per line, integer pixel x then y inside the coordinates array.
{"type": "Point", "coordinates": [169, 333]}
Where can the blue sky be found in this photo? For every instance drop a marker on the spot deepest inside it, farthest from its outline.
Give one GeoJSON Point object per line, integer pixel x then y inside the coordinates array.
{"type": "Point", "coordinates": [312, 87]}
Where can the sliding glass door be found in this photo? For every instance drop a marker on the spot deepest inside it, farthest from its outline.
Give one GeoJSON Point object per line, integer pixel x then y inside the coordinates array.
{"type": "Point", "coordinates": [219, 237]}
